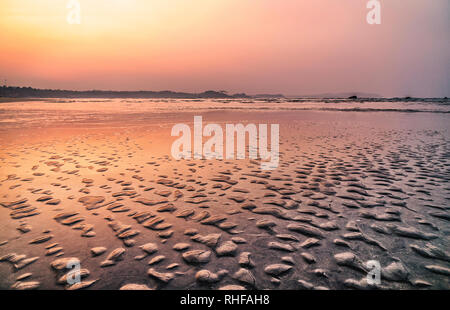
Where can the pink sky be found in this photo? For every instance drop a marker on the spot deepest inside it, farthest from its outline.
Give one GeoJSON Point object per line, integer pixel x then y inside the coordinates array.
{"type": "Point", "coordinates": [294, 47]}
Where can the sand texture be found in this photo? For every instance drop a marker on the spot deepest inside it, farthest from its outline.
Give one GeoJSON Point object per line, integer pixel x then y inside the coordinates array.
{"type": "Point", "coordinates": [103, 188]}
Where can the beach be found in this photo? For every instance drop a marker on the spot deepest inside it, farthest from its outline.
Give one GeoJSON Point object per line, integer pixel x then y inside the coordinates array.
{"type": "Point", "coordinates": [94, 181]}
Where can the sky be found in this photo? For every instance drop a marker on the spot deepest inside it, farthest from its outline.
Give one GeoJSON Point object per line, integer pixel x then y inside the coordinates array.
{"type": "Point", "coordinates": [293, 47]}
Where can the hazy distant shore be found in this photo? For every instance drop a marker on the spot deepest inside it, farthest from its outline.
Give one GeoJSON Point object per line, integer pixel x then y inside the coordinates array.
{"type": "Point", "coordinates": [13, 94]}
{"type": "Point", "coordinates": [29, 92]}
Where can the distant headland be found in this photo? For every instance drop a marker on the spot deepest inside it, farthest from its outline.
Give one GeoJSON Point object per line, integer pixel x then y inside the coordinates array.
{"type": "Point", "coordinates": [30, 92]}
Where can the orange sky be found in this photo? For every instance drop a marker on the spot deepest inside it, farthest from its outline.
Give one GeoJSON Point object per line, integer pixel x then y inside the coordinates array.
{"type": "Point", "coordinates": [293, 47]}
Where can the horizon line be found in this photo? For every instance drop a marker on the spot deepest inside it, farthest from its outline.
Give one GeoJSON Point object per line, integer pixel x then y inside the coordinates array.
{"type": "Point", "coordinates": [337, 95]}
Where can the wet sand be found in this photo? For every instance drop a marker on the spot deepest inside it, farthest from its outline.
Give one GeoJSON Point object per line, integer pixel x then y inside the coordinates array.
{"type": "Point", "coordinates": [103, 188]}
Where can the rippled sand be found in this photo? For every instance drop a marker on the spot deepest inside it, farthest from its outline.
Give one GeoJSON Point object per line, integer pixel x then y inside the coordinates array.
{"type": "Point", "coordinates": [99, 184]}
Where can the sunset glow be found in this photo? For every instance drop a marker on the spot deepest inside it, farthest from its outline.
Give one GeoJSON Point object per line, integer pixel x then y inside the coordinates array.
{"type": "Point", "coordinates": [292, 46]}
